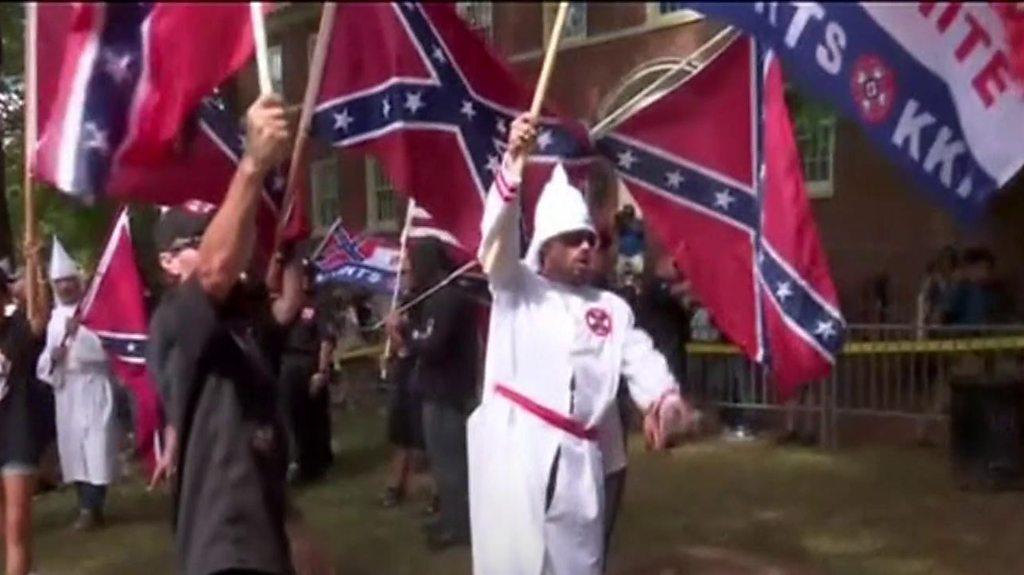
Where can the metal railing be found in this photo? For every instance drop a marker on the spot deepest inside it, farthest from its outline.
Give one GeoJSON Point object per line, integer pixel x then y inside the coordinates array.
{"type": "Point", "coordinates": [884, 371]}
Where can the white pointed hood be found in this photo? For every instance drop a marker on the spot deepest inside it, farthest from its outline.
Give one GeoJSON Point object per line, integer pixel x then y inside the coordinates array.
{"type": "Point", "coordinates": [61, 264]}
{"type": "Point", "coordinates": [561, 209]}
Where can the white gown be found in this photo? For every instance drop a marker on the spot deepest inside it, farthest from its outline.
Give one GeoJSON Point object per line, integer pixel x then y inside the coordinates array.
{"type": "Point", "coordinates": [544, 337]}
{"type": "Point", "coordinates": [87, 437]}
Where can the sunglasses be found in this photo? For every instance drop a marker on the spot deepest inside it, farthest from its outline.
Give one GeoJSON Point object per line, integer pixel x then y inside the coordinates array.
{"type": "Point", "coordinates": [575, 239]}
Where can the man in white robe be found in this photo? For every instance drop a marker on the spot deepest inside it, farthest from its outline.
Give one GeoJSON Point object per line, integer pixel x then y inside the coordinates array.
{"type": "Point", "coordinates": [75, 364]}
{"type": "Point", "coordinates": [547, 432]}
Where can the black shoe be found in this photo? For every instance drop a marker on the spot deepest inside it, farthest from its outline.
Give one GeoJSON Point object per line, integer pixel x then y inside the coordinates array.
{"type": "Point", "coordinates": [441, 540]}
{"type": "Point", "coordinates": [87, 521]}
{"type": "Point", "coordinates": [432, 508]}
{"type": "Point", "coordinates": [393, 497]}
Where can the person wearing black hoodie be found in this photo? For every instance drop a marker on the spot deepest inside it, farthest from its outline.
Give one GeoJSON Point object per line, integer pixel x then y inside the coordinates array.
{"type": "Point", "coordinates": [442, 337]}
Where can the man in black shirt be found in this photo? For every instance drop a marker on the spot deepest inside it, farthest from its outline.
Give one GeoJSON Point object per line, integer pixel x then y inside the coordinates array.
{"type": "Point", "coordinates": [305, 374]}
{"type": "Point", "coordinates": [443, 339]}
{"type": "Point", "coordinates": [213, 339]}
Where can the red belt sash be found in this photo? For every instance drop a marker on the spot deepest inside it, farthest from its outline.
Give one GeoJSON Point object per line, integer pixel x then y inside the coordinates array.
{"type": "Point", "coordinates": [549, 416]}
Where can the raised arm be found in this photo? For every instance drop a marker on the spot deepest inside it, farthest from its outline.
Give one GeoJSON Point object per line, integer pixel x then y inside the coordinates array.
{"type": "Point", "coordinates": [228, 242]}
{"type": "Point", "coordinates": [499, 233]}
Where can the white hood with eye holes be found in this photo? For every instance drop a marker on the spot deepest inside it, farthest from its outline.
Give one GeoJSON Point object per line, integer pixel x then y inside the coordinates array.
{"type": "Point", "coordinates": [561, 209]}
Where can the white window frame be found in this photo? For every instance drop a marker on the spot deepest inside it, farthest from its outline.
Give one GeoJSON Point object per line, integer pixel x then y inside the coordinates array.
{"type": "Point", "coordinates": [570, 34]}
{"type": "Point", "coordinates": [377, 185]}
{"type": "Point", "coordinates": [325, 185]}
{"type": "Point", "coordinates": [812, 151]}
{"type": "Point", "coordinates": [654, 14]}
{"type": "Point", "coordinates": [275, 60]}
{"type": "Point", "coordinates": [479, 16]}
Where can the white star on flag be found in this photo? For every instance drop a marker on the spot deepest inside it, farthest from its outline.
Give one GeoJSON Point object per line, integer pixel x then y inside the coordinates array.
{"type": "Point", "coordinates": [467, 109]}
{"type": "Point", "coordinates": [544, 139]}
{"type": "Point", "coordinates": [117, 66]}
{"type": "Point", "coordinates": [825, 329]}
{"type": "Point", "coordinates": [724, 200]}
{"type": "Point", "coordinates": [386, 108]}
{"type": "Point", "coordinates": [131, 348]}
{"type": "Point", "coordinates": [783, 291]}
{"type": "Point", "coordinates": [342, 120]}
{"type": "Point", "coordinates": [493, 165]}
{"type": "Point", "coordinates": [502, 128]}
{"type": "Point", "coordinates": [674, 179]}
{"type": "Point", "coordinates": [413, 101]}
{"type": "Point", "coordinates": [438, 54]}
{"type": "Point", "coordinates": [95, 138]}
{"type": "Point", "coordinates": [627, 159]}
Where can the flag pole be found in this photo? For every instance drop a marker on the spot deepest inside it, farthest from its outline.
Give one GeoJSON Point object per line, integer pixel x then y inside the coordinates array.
{"type": "Point", "coordinates": [316, 76]}
{"type": "Point", "coordinates": [403, 244]}
{"type": "Point", "coordinates": [691, 64]}
{"type": "Point", "coordinates": [327, 237]}
{"type": "Point", "coordinates": [259, 35]}
{"type": "Point", "coordinates": [433, 289]}
{"type": "Point", "coordinates": [535, 107]}
{"type": "Point", "coordinates": [33, 277]}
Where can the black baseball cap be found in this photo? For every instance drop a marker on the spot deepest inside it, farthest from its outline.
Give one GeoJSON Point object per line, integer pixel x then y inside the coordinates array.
{"type": "Point", "coordinates": [181, 227]}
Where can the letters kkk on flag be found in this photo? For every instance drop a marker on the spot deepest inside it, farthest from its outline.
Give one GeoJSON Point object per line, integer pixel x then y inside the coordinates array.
{"type": "Point", "coordinates": [413, 85]}
{"type": "Point", "coordinates": [118, 80]}
{"type": "Point", "coordinates": [363, 263]}
{"type": "Point", "coordinates": [734, 213]}
{"type": "Point", "coordinates": [931, 83]}
{"type": "Point", "coordinates": [113, 308]}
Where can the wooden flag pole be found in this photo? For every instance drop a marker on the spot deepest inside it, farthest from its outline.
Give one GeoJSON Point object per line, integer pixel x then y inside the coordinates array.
{"type": "Point", "coordinates": [259, 35]}
{"type": "Point", "coordinates": [538, 100]}
{"type": "Point", "coordinates": [403, 244]}
{"type": "Point", "coordinates": [316, 76]}
{"type": "Point", "coordinates": [33, 277]}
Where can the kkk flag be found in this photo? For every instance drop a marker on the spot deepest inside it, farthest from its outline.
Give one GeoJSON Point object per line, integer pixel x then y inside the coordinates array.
{"type": "Point", "coordinates": [368, 263]}
{"type": "Point", "coordinates": [734, 212]}
{"type": "Point", "coordinates": [113, 308]}
{"type": "Point", "coordinates": [118, 80]}
{"type": "Point", "coordinates": [413, 85]}
{"type": "Point", "coordinates": [929, 82]}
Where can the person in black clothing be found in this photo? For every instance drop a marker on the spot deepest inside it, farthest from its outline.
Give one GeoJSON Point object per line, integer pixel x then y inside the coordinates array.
{"type": "Point", "coordinates": [26, 426]}
{"type": "Point", "coordinates": [443, 338]}
{"type": "Point", "coordinates": [661, 311]}
{"type": "Point", "coordinates": [216, 336]}
{"type": "Point", "coordinates": [305, 375]}
{"type": "Point", "coordinates": [405, 414]}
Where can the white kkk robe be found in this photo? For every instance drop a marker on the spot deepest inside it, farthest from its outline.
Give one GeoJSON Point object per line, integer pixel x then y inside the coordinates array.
{"type": "Point", "coordinates": [564, 349]}
{"type": "Point", "coordinates": [87, 439]}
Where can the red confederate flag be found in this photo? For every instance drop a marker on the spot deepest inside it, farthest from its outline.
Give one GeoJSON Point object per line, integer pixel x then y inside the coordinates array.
{"type": "Point", "coordinates": [113, 308]}
{"type": "Point", "coordinates": [413, 85]}
{"type": "Point", "coordinates": [715, 169]}
{"type": "Point", "coordinates": [118, 80]}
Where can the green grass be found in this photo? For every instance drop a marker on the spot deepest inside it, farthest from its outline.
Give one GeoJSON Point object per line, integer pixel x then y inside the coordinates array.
{"type": "Point", "coordinates": [707, 508]}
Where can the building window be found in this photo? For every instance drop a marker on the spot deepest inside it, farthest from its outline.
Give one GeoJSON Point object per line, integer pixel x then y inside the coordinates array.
{"type": "Point", "coordinates": [275, 57]}
{"type": "Point", "coordinates": [575, 20]}
{"type": "Point", "coordinates": [381, 199]}
{"type": "Point", "coordinates": [675, 12]}
{"type": "Point", "coordinates": [816, 139]}
{"type": "Point", "coordinates": [326, 191]}
{"type": "Point", "coordinates": [479, 16]}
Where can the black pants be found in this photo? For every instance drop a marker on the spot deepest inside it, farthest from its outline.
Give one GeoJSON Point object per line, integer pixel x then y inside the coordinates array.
{"type": "Point", "coordinates": [308, 418]}
{"type": "Point", "coordinates": [91, 497]}
{"type": "Point", "coordinates": [444, 432]}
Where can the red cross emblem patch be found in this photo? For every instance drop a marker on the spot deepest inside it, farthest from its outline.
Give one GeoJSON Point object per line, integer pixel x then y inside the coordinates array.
{"type": "Point", "coordinates": [874, 88]}
{"type": "Point", "coordinates": [599, 321]}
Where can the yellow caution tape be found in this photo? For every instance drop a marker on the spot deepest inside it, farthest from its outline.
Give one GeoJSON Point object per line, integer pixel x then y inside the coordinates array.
{"type": "Point", "coordinates": [1002, 343]}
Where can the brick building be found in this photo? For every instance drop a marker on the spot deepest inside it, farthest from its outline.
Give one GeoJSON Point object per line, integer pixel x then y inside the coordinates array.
{"type": "Point", "coordinates": [872, 221]}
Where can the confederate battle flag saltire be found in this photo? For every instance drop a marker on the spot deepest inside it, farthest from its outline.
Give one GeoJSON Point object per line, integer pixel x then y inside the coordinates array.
{"type": "Point", "coordinates": [413, 85]}
{"type": "Point", "coordinates": [118, 80]}
{"type": "Point", "coordinates": [366, 263]}
{"type": "Point", "coordinates": [734, 211]}
{"type": "Point", "coordinates": [930, 83]}
{"type": "Point", "coordinates": [114, 309]}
